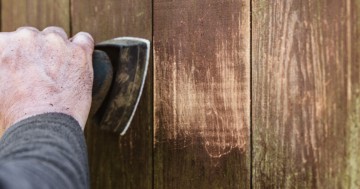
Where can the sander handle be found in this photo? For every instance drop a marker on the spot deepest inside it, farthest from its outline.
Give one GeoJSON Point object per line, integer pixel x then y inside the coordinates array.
{"type": "Point", "coordinates": [103, 75]}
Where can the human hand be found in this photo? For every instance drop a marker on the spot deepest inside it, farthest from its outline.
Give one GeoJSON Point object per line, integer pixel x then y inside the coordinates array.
{"type": "Point", "coordinates": [42, 72]}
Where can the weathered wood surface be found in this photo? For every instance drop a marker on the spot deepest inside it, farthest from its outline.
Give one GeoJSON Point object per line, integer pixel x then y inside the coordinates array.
{"type": "Point", "coordinates": [305, 91]}
{"type": "Point", "coordinates": [37, 13]}
{"type": "Point", "coordinates": [306, 94]}
{"type": "Point", "coordinates": [113, 18]}
{"type": "Point", "coordinates": [202, 94]}
{"type": "Point", "coordinates": [124, 162]}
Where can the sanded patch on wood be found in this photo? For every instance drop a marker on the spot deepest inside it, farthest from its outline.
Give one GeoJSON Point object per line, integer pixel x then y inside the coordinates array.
{"type": "Point", "coordinates": [202, 73]}
{"type": "Point", "coordinates": [202, 94]}
{"type": "Point", "coordinates": [305, 94]}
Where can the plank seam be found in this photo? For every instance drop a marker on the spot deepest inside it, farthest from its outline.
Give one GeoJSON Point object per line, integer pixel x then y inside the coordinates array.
{"type": "Point", "coordinates": [251, 87]}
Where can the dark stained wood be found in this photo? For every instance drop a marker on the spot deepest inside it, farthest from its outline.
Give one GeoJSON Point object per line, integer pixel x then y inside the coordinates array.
{"type": "Point", "coordinates": [113, 18]}
{"type": "Point", "coordinates": [131, 59]}
{"type": "Point", "coordinates": [125, 162]}
{"type": "Point", "coordinates": [37, 13]}
{"type": "Point", "coordinates": [305, 91]}
{"type": "Point", "coordinates": [202, 94]}
{"type": "Point", "coordinates": [306, 94]}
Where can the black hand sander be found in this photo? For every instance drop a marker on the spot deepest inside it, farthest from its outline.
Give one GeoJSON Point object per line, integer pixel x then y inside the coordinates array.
{"type": "Point", "coordinates": [120, 68]}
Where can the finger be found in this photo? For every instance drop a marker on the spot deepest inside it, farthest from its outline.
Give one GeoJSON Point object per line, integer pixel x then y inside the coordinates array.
{"type": "Point", "coordinates": [4, 38]}
{"type": "Point", "coordinates": [55, 30]}
{"type": "Point", "coordinates": [24, 34]}
{"type": "Point", "coordinates": [84, 40]}
{"type": "Point", "coordinates": [28, 28]}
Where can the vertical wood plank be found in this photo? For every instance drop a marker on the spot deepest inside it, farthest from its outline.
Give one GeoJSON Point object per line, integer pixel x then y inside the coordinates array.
{"type": "Point", "coordinates": [202, 94]}
{"type": "Point", "coordinates": [113, 18]}
{"type": "Point", "coordinates": [306, 94]}
{"type": "Point", "coordinates": [124, 162]}
{"type": "Point", "coordinates": [37, 13]}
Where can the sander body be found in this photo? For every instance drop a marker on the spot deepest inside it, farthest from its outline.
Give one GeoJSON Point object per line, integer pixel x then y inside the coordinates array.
{"type": "Point", "coordinates": [120, 68]}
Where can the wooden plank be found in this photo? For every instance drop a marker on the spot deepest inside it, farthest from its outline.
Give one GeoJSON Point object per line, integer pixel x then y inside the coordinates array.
{"type": "Point", "coordinates": [306, 94]}
{"type": "Point", "coordinates": [202, 94]}
{"type": "Point", "coordinates": [37, 13]}
{"type": "Point", "coordinates": [124, 162]}
{"type": "Point", "coordinates": [113, 18]}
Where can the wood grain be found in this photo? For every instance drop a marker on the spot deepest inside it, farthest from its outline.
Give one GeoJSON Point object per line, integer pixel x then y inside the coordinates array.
{"type": "Point", "coordinates": [37, 13]}
{"type": "Point", "coordinates": [113, 18]}
{"type": "Point", "coordinates": [202, 94]}
{"type": "Point", "coordinates": [124, 162]}
{"type": "Point", "coordinates": [306, 94]}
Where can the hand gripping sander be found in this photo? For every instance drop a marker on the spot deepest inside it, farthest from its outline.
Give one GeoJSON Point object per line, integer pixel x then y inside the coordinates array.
{"type": "Point", "coordinates": [120, 68]}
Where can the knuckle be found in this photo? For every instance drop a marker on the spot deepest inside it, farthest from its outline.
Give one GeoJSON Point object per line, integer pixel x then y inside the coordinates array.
{"type": "Point", "coordinates": [55, 34]}
{"type": "Point", "coordinates": [54, 29]}
{"type": "Point", "coordinates": [54, 37]}
{"type": "Point", "coordinates": [26, 32]}
{"type": "Point", "coordinates": [84, 36]}
{"type": "Point", "coordinates": [27, 28]}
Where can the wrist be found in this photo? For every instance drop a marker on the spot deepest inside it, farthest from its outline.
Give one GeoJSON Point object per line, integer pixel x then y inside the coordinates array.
{"type": "Point", "coordinates": [17, 114]}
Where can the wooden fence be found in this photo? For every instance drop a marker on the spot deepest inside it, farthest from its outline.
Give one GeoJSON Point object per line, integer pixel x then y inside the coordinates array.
{"type": "Point", "coordinates": [240, 94]}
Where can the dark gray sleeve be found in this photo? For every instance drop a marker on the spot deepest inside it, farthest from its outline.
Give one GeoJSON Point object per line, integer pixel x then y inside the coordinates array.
{"type": "Point", "coordinates": [44, 151]}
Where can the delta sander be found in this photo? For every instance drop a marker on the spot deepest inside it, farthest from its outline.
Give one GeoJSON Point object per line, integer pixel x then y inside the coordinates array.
{"type": "Point", "coordinates": [120, 68]}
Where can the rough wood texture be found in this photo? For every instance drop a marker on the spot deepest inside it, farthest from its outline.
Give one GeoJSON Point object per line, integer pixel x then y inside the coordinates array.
{"type": "Point", "coordinates": [113, 18]}
{"type": "Point", "coordinates": [37, 13]}
{"type": "Point", "coordinates": [306, 94]}
{"type": "Point", "coordinates": [124, 162]}
{"type": "Point", "coordinates": [202, 94]}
